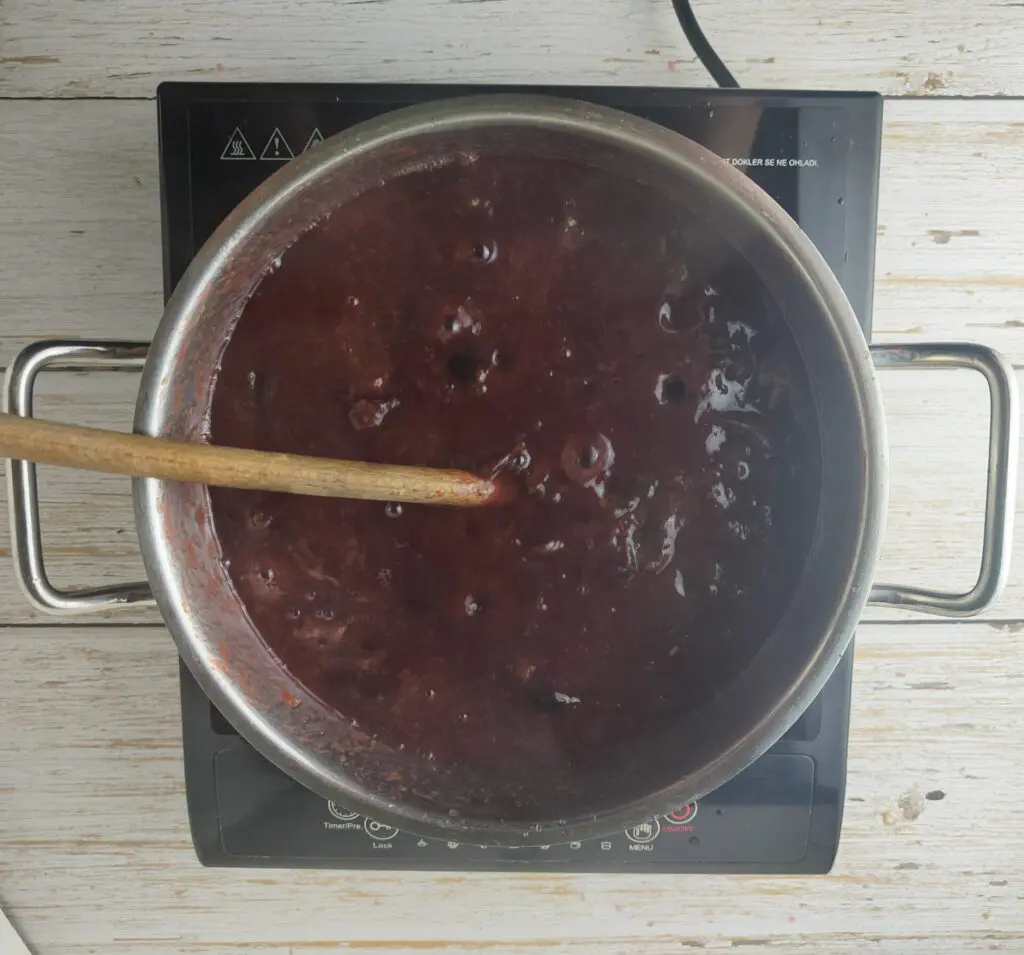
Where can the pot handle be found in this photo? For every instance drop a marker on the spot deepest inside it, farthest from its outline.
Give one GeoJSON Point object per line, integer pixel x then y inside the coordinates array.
{"type": "Point", "coordinates": [1000, 494]}
{"type": "Point", "coordinates": [22, 492]}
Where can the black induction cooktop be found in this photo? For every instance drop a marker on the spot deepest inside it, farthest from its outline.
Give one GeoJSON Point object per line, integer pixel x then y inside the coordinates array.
{"type": "Point", "coordinates": [817, 154]}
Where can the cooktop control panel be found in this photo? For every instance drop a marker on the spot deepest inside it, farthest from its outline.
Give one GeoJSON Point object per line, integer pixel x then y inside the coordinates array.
{"type": "Point", "coordinates": [769, 807]}
{"type": "Point", "coordinates": [782, 814]}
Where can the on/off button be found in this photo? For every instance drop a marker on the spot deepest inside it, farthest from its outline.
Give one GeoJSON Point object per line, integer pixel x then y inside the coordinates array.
{"type": "Point", "coordinates": [683, 814]}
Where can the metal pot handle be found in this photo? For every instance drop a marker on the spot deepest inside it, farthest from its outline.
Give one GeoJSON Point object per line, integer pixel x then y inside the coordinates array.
{"type": "Point", "coordinates": [22, 493]}
{"type": "Point", "coordinates": [1001, 490]}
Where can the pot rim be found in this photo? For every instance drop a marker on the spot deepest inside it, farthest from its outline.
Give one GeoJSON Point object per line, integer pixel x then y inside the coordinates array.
{"type": "Point", "coordinates": [614, 128]}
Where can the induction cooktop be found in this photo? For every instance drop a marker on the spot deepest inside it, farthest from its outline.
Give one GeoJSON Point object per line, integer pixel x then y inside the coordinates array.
{"type": "Point", "coordinates": [817, 154]}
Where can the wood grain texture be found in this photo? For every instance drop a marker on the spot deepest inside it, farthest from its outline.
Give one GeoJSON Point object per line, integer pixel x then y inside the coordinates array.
{"type": "Point", "coordinates": [95, 852]}
{"type": "Point", "coordinates": [108, 451]}
{"type": "Point", "coordinates": [70, 49]}
{"type": "Point", "coordinates": [80, 230]}
{"type": "Point", "coordinates": [951, 203]}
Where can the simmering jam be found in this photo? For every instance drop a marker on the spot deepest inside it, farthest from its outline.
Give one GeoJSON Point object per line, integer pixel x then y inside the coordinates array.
{"type": "Point", "coordinates": [608, 355]}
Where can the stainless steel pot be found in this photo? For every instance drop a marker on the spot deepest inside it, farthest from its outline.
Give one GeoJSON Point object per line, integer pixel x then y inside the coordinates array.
{"type": "Point", "coordinates": [317, 746]}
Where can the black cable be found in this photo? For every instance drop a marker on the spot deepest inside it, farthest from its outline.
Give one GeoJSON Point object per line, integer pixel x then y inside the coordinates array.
{"type": "Point", "coordinates": [704, 50]}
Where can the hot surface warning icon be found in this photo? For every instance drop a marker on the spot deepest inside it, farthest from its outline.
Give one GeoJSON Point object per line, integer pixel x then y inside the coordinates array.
{"type": "Point", "coordinates": [315, 139]}
{"type": "Point", "coordinates": [237, 147]}
{"type": "Point", "coordinates": [277, 148]}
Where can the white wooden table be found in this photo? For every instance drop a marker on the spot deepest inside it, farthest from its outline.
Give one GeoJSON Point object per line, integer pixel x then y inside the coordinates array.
{"type": "Point", "coordinates": [94, 847]}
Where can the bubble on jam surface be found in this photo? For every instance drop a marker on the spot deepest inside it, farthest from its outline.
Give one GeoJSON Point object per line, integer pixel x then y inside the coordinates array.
{"type": "Point", "coordinates": [631, 547]}
{"type": "Point", "coordinates": [459, 321]}
{"type": "Point", "coordinates": [294, 614]}
{"type": "Point", "coordinates": [669, 389]}
{"type": "Point", "coordinates": [723, 496]}
{"type": "Point", "coordinates": [586, 457]}
{"type": "Point", "coordinates": [665, 319]}
{"type": "Point", "coordinates": [472, 606]}
{"type": "Point", "coordinates": [324, 613]}
{"type": "Point", "coordinates": [550, 547]}
{"type": "Point", "coordinates": [524, 670]}
{"type": "Point", "coordinates": [484, 252]}
{"type": "Point", "coordinates": [627, 508]}
{"type": "Point", "coordinates": [251, 380]}
{"type": "Point", "coordinates": [670, 529]}
{"type": "Point", "coordinates": [370, 412]}
{"type": "Point", "coordinates": [723, 394]}
{"type": "Point", "coordinates": [265, 575]}
{"type": "Point", "coordinates": [740, 530]}
{"type": "Point", "coordinates": [742, 470]}
{"type": "Point", "coordinates": [677, 583]}
{"type": "Point", "coordinates": [392, 509]}
{"type": "Point", "coordinates": [734, 328]}
{"type": "Point", "coordinates": [516, 461]}
{"type": "Point", "coordinates": [260, 520]}
{"type": "Point", "coordinates": [537, 483]}
{"type": "Point", "coordinates": [565, 699]}
{"type": "Point", "coordinates": [483, 370]}
{"type": "Point", "coordinates": [715, 439]}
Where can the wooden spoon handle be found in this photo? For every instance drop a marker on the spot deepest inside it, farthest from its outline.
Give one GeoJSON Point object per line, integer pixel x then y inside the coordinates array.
{"type": "Point", "coordinates": [112, 452]}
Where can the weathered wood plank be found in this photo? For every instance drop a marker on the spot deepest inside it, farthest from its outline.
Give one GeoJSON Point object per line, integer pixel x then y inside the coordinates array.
{"type": "Point", "coordinates": [95, 852]}
{"type": "Point", "coordinates": [944, 47]}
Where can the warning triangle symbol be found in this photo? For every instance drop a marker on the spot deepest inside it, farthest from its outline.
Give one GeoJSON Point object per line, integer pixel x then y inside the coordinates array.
{"type": "Point", "coordinates": [277, 148]}
{"type": "Point", "coordinates": [315, 139]}
{"type": "Point", "coordinates": [237, 147]}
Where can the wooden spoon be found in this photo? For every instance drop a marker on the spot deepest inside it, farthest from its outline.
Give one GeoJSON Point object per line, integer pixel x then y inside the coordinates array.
{"type": "Point", "coordinates": [112, 452]}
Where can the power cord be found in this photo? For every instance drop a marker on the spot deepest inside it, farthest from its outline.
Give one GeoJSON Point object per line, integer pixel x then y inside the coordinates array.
{"type": "Point", "coordinates": [704, 50]}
